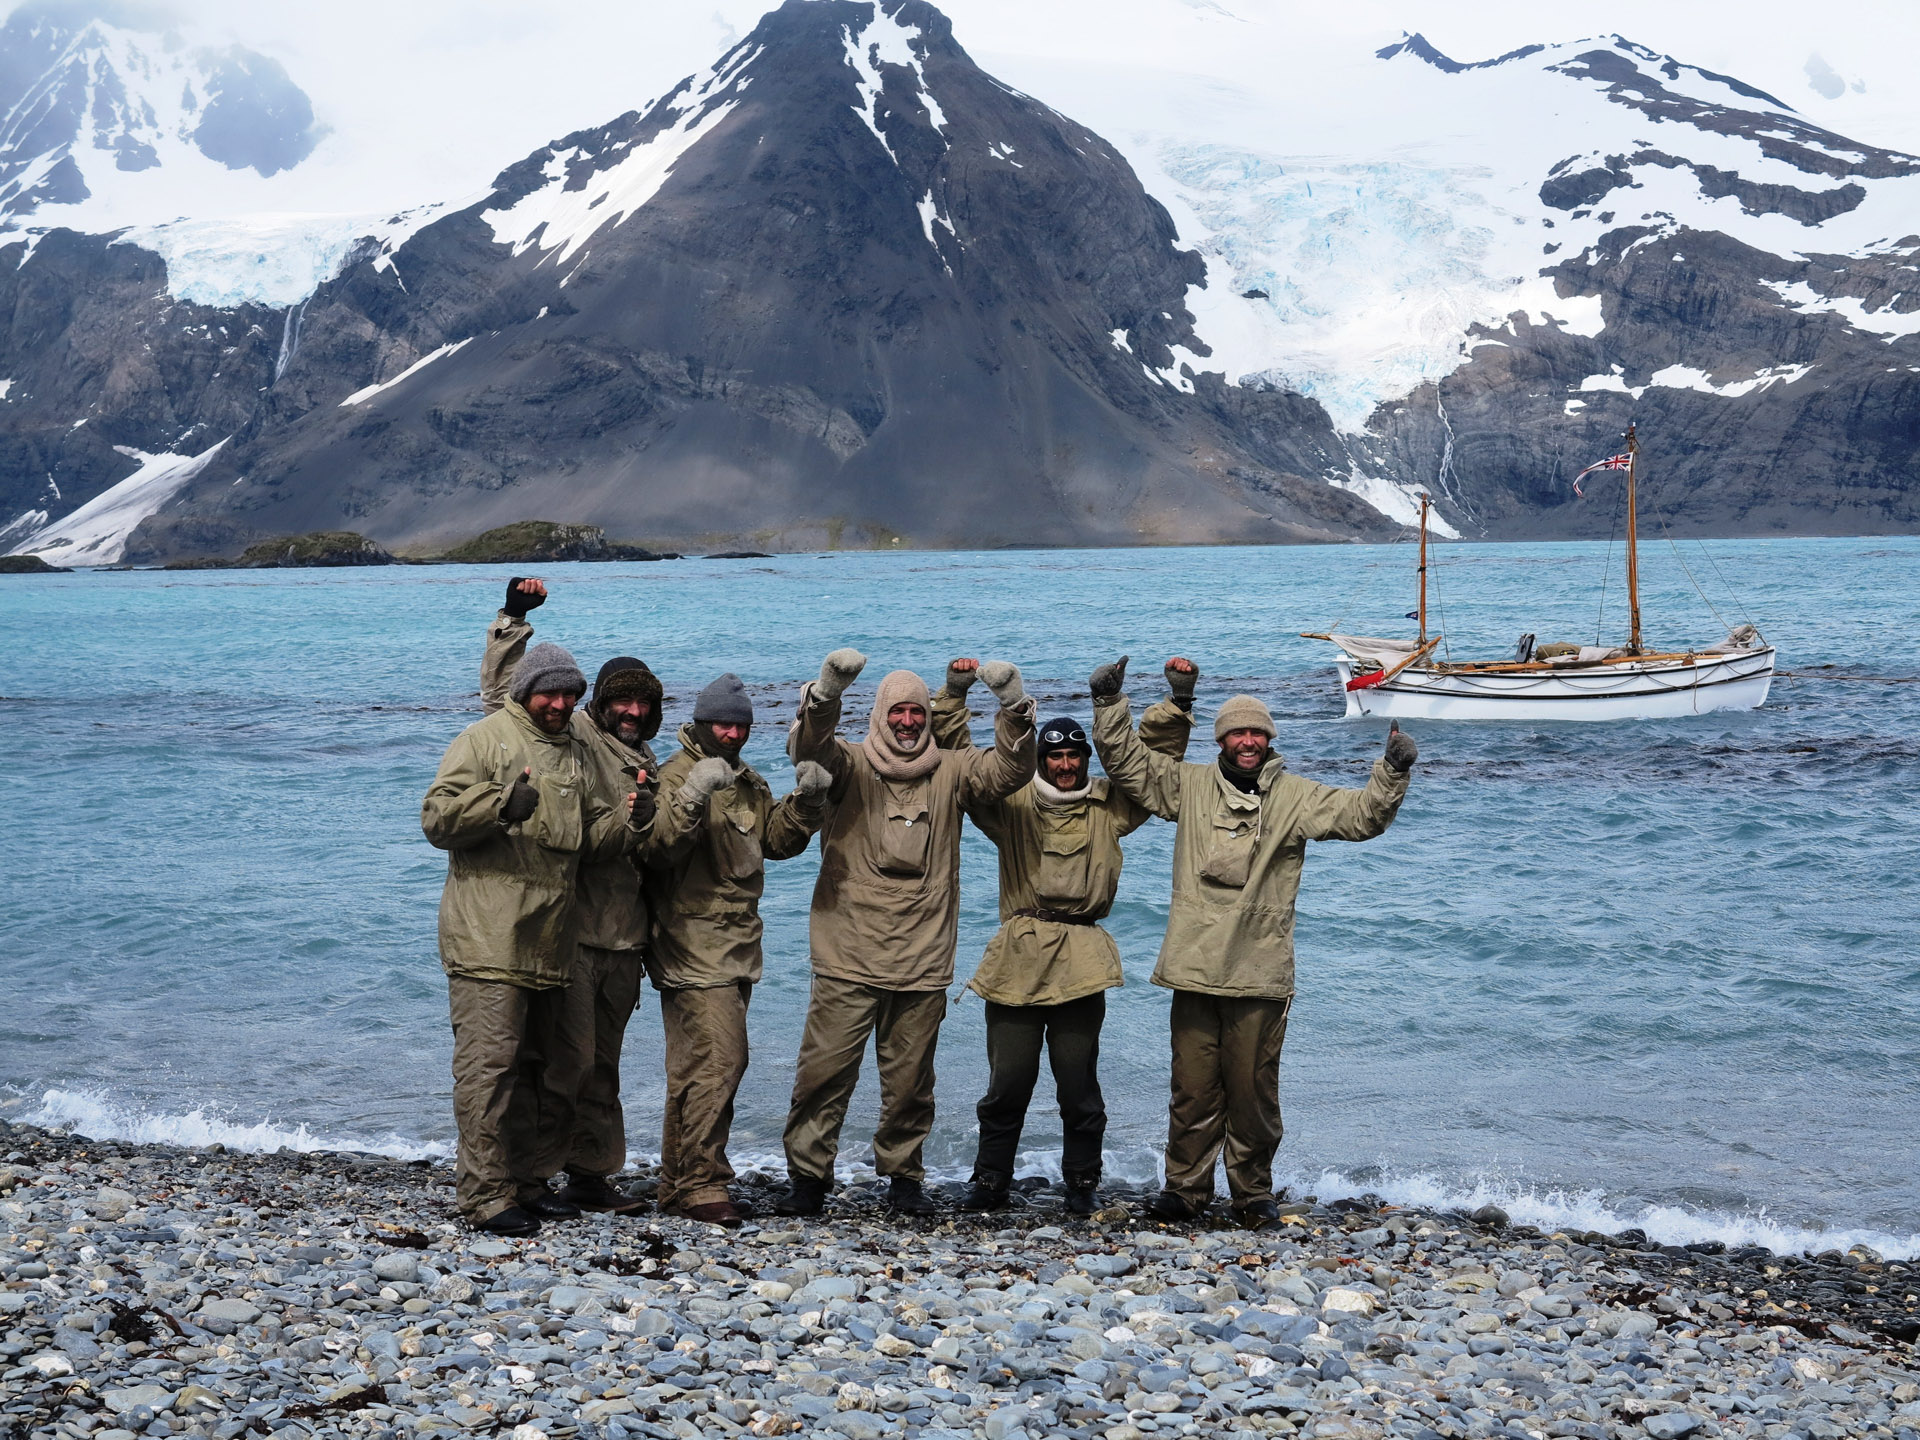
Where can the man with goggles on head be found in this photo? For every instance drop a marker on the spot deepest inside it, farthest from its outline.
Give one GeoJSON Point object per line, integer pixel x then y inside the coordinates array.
{"type": "Point", "coordinates": [1046, 972]}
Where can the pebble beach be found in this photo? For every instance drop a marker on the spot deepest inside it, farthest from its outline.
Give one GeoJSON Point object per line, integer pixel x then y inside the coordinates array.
{"type": "Point", "coordinates": [162, 1291]}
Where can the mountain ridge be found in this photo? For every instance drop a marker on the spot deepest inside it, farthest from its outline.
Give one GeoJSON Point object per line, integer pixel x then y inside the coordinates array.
{"type": "Point", "coordinates": [891, 321]}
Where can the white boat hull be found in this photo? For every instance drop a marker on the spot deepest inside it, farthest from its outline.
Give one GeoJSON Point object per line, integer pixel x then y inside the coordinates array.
{"type": "Point", "coordinates": [1650, 690]}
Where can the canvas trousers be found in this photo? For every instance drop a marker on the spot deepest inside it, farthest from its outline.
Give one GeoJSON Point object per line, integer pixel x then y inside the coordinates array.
{"type": "Point", "coordinates": [599, 1003]}
{"type": "Point", "coordinates": [504, 1096]}
{"type": "Point", "coordinates": [1226, 1095]}
{"type": "Point", "coordinates": [905, 1026]}
{"type": "Point", "coordinates": [1070, 1034]}
{"type": "Point", "coordinates": [706, 1032]}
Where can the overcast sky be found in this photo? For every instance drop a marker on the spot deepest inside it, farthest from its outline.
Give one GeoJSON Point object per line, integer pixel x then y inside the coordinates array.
{"type": "Point", "coordinates": [430, 98]}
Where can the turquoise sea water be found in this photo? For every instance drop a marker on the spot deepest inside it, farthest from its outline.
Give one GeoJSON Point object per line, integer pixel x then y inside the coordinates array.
{"type": "Point", "coordinates": [1659, 973]}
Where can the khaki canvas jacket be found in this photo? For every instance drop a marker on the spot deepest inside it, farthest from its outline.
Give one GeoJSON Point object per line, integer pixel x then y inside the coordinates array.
{"type": "Point", "coordinates": [886, 907]}
{"type": "Point", "coordinates": [1064, 859]}
{"type": "Point", "coordinates": [1236, 857]}
{"type": "Point", "coordinates": [610, 907]}
{"type": "Point", "coordinates": [506, 912]}
{"type": "Point", "coordinates": [706, 869]}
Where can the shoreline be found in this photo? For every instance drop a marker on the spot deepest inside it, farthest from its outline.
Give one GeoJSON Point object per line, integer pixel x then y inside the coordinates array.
{"type": "Point", "coordinates": [160, 1290]}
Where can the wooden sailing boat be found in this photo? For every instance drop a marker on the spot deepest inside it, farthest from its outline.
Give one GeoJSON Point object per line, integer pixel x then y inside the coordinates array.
{"type": "Point", "coordinates": [1402, 679]}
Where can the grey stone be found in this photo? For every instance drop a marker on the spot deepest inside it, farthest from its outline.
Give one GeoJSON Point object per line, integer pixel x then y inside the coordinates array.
{"type": "Point", "coordinates": [1671, 1425]}
{"type": "Point", "coordinates": [124, 1399]}
{"type": "Point", "coordinates": [397, 1265]}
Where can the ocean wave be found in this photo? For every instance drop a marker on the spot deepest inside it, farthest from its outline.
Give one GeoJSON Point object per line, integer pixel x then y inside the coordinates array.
{"type": "Point", "coordinates": [99, 1117]}
{"type": "Point", "coordinates": [1558, 1209]}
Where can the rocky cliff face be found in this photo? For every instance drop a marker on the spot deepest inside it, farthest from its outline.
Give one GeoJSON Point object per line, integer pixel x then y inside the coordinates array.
{"type": "Point", "coordinates": [1776, 384]}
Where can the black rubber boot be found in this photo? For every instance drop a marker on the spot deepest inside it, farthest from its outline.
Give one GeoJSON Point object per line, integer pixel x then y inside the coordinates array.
{"type": "Point", "coordinates": [805, 1196]}
{"type": "Point", "coordinates": [983, 1197]}
{"type": "Point", "coordinates": [1170, 1207]}
{"type": "Point", "coordinates": [512, 1221]}
{"type": "Point", "coordinates": [908, 1197]}
{"type": "Point", "coordinates": [1081, 1199]}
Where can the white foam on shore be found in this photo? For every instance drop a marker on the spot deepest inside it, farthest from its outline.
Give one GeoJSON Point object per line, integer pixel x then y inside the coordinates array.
{"type": "Point", "coordinates": [1552, 1209]}
{"type": "Point", "coordinates": [99, 1118]}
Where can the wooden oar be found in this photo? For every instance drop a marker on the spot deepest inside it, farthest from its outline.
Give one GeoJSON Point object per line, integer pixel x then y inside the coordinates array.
{"type": "Point", "coordinates": [1380, 677]}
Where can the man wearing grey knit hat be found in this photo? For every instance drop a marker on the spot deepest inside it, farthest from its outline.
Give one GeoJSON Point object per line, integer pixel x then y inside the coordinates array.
{"type": "Point", "coordinates": [705, 863]}
{"type": "Point", "coordinates": [1243, 823]}
{"type": "Point", "coordinates": [886, 914]}
{"type": "Point", "coordinates": [515, 808]}
{"type": "Point", "coordinates": [609, 912]}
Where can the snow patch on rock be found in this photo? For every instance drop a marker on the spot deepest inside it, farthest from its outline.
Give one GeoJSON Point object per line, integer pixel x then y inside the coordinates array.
{"type": "Point", "coordinates": [558, 218]}
{"type": "Point", "coordinates": [96, 533]}
{"type": "Point", "coordinates": [1889, 325]}
{"type": "Point", "coordinates": [367, 392]}
{"type": "Point", "coordinates": [1686, 377]}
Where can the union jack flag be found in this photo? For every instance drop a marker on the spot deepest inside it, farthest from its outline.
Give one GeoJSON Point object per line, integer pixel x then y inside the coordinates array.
{"type": "Point", "coordinates": [1612, 462]}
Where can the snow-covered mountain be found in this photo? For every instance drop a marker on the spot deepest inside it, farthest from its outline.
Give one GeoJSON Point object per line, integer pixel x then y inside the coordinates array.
{"type": "Point", "coordinates": [1407, 272]}
{"type": "Point", "coordinates": [109, 119]}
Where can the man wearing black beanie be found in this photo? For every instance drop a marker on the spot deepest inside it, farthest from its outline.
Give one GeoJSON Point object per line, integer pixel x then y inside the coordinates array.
{"type": "Point", "coordinates": [610, 915]}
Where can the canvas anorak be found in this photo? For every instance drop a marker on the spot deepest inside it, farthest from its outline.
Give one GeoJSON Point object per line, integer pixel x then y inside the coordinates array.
{"type": "Point", "coordinates": [610, 908]}
{"type": "Point", "coordinates": [1236, 857]}
{"type": "Point", "coordinates": [706, 870]}
{"type": "Point", "coordinates": [886, 908]}
{"type": "Point", "coordinates": [506, 912]}
{"type": "Point", "coordinates": [1059, 871]}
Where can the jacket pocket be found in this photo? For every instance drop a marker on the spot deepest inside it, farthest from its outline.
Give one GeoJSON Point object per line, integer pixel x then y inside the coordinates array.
{"type": "Point", "coordinates": [557, 822]}
{"type": "Point", "coordinates": [736, 845]}
{"type": "Point", "coordinates": [902, 846]}
{"type": "Point", "coordinates": [1230, 845]}
{"type": "Point", "coordinates": [1063, 878]}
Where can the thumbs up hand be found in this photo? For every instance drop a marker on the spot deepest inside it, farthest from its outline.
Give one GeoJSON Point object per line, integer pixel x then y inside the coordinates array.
{"type": "Point", "coordinates": [522, 800]}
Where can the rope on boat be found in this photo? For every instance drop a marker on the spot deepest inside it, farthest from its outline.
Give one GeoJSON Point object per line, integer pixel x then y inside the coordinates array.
{"type": "Point", "coordinates": [1606, 571]}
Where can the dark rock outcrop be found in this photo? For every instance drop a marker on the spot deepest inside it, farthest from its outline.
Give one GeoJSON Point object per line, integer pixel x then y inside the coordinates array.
{"type": "Point", "coordinates": [543, 540]}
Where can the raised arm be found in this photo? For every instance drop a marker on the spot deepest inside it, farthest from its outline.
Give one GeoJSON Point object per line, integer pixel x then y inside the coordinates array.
{"type": "Point", "coordinates": [507, 639]}
{"type": "Point", "coordinates": [814, 728]}
{"type": "Point", "coordinates": [995, 774]}
{"type": "Point", "coordinates": [1149, 778]}
{"type": "Point", "coordinates": [792, 822]}
{"type": "Point", "coordinates": [1329, 812]}
{"type": "Point", "coordinates": [951, 719]}
{"type": "Point", "coordinates": [1164, 728]}
{"type": "Point", "coordinates": [680, 816]}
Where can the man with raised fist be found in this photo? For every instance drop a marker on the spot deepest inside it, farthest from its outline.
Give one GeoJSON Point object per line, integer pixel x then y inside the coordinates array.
{"type": "Point", "coordinates": [585, 1133]}
{"type": "Point", "coordinates": [886, 914]}
{"type": "Point", "coordinates": [1243, 826]}
{"type": "Point", "coordinates": [516, 808]}
{"type": "Point", "coordinates": [706, 870]}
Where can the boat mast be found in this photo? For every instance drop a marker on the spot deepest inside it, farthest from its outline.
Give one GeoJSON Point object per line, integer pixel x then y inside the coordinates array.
{"type": "Point", "coordinates": [1424, 501]}
{"type": "Point", "coordinates": [1633, 541]}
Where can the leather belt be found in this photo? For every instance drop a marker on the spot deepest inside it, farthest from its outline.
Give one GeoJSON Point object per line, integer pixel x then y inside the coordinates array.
{"type": "Point", "coordinates": [1058, 917]}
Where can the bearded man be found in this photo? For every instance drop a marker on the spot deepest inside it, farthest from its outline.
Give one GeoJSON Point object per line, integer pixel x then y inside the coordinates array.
{"type": "Point", "coordinates": [886, 911]}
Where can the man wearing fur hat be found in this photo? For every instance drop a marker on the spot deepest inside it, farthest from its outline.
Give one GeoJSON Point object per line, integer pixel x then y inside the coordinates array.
{"type": "Point", "coordinates": [1045, 973]}
{"type": "Point", "coordinates": [1243, 826]}
{"type": "Point", "coordinates": [517, 808]}
{"type": "Point", "coordinates": [706, 869]}
{"type": "Point", "coordinates": [886, 912]}
{"type": "Point", "coordinates": [609, 913]}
